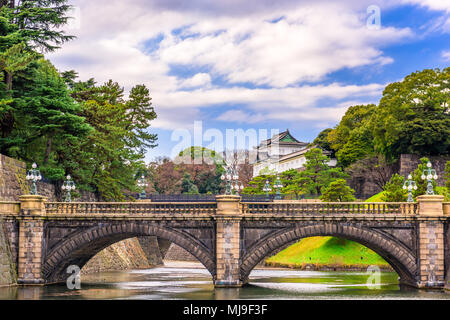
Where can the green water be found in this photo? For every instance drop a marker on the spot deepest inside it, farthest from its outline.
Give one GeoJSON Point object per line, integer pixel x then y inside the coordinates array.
{"type": "Point", "coordinates": [195, 283]}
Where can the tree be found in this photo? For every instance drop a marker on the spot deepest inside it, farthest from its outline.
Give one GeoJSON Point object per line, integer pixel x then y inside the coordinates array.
{"type": "Point", "coordinates": [138, 114]}
{"type": "Point", "coordinates": [114, 151]}
{"type": "Point", "coordinates": [165, 176]}
{"type": "Point", "coordinates": [256, 185]}
{"type": "Point", "coordinates": [39, 22]}
{"type": "Point", "coordinates": [352, 138]}
{"type": "Point", "coordinates": [393, 190]}
{"type": "Point", "coordinates": [413, 115]}
{"type": "Point", "coordinates": [294, 183]}
{"type": "Point", "coordinates": [323, 142]}
{"type": "Point", "coordinates": [337, 191]}
{"type": "Point", "coordinates": [317, 173]}
{"type": "Point", "coordinates": [51, 112]}
{"type": "Point", "coordinates": [187, 185]}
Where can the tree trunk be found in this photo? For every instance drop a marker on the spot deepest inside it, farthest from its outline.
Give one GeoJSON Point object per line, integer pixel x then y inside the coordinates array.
{"type": "Point", "coordinates": [8, 81]}
{"type": "Point", "coordinates": [48, 150]}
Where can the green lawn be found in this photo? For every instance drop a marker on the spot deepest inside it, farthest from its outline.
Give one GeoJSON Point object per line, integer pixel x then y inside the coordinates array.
{"type": "Point", "coordinates": [326, 251]}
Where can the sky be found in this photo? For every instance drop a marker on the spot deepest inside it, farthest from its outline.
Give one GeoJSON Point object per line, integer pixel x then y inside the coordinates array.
{"type": "Point", "coordinates": [255, 65]}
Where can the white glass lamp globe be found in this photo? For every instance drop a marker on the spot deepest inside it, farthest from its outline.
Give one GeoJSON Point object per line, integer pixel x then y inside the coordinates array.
{"type": "Point", "coordinates": [404, 187]}
{"type": "Point", "coordinates": [429, 164]}
{"type": "Point", "coordinates": [423, 177]}
{"type": "Point", "coordinates": [34, 165]}
{"type": "Point", "coordinates": [409, 177]}
{"type": "Point", "coordinates": [429, 177]}
{"type": "Point", "coordinates": [435, 177]}
{"type": "Point", "coordinates": [415, 187]}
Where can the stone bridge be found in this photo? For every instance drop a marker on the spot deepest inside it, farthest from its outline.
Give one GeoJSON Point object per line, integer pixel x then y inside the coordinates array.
{"type": "Point", "coordinates": [228, 237]}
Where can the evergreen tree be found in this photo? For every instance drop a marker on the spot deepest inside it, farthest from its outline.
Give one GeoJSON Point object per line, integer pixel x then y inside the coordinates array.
{"type": "Point", "coordinates": [187, 185]}
{"type": "Point", "coordinates": [393, 190]}
{"type": "Point", "coordinates": [413, 115]}
{"type": "Point", "coordinates": [337, 191]}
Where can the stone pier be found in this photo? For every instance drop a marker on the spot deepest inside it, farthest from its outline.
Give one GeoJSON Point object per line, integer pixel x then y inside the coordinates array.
{"type": "Point", "coordinates": [431, 242]}
{"type": "Point", "coordinates": [31, 231]}
{"type": "Point", "coordinates": [228, 241]}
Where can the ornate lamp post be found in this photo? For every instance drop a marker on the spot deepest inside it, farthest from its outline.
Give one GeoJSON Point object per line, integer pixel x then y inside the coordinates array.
{"type": "Point", "coordinates": [278, 185]}
{"type": "Point", "coordinates": [68, 186]}
{"type": "Point", "coordinates": [429, 174]}
{"type": "Point", "coordinates": [410, 185]}
{"type": "Point", "coordinates": [238, 187]}
{"type": "Point", "coordinates": [142, 184]}
{"type": "Point", "coordinates": [34, 175]}
{"type": "Point", "coordinates": [267, 189]}
{"type": "Point", "coordinates": [229, 177]}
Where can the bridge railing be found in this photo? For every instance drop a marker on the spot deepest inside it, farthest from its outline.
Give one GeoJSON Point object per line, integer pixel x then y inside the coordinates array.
{"type": "Point", "coordinates": [109, 208]}
{"type": "Point", "coordinates": [330, 208]}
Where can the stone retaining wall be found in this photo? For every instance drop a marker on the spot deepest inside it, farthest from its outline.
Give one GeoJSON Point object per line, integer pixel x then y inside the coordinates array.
{"type": "Point", "coordinates": [7, 266]}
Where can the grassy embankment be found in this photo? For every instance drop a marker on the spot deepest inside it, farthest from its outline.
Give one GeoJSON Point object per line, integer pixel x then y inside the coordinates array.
{"type": "Point", "coordinates": [328, 252]}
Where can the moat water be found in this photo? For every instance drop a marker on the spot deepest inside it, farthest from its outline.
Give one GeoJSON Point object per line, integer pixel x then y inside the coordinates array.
{"type": "Point", "coordinates": [190, 281]}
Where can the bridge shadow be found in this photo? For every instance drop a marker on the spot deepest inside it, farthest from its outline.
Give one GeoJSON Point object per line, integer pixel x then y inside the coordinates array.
{"type": "Point", "coordinates": [78, 248]}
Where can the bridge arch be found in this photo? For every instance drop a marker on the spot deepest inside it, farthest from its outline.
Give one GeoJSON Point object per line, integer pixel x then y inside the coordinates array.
{"type": "Point", "coordinates": [399, 257]}
{"type": "Point", "coordinates": [79, 248]}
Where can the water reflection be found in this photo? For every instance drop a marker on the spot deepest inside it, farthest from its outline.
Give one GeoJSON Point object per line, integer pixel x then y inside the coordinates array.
{"type": "Point", "coordinates": [176, 282]}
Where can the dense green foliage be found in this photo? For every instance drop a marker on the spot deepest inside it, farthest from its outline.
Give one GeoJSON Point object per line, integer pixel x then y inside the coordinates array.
{"type": "Point", "coordinates": [393, 190]}
{"type": "Point", "coordinates": [337, 191]}
{"type": "Point", "coordinates": [352, 138]}
{"type": "Point", "coordinates": [315, 176]}
{"type": "Point", "coordinates": [412, 117]}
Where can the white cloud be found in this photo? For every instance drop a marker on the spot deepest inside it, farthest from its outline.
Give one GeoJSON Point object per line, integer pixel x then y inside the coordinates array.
{"type": "Point", "coordinates": [198, 80]}
{"type": "Point", "coordinates": [445, 55]}
{"type": "Point", "coordinates": [284, 60]}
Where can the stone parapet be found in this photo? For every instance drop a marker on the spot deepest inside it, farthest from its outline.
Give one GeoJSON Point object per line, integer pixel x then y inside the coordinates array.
{"type": "Point", "coordinates": [32, 205]}
{"type": "Point", "coordinates": [430, 205]}
{"type": "Point", "coordinates": [228, 205]}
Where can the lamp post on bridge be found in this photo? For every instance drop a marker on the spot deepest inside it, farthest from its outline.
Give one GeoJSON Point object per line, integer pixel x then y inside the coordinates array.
{"type": "Point", "coordinates": [410, 185]}
{"type": "Point", "coordinates": [142, 184]}
{"type": "Point", "coordinates": [278, 185]}
{"type": "Point", "coordinates": [68, 186]}
{"type": "Point", "coordinates": [429, 174]}
{"type": "Point", "coordinates": [267, 189]}
{"type": "Point", "coordinates": [34, 175]}
{"type": "Point", "coordinates": [231, 177]}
